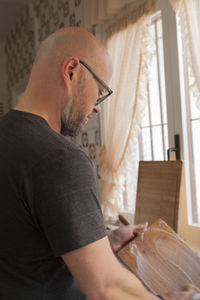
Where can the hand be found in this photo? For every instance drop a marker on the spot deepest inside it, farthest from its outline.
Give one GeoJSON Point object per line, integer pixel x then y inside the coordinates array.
{"type": "Point", "coordinates": [190, 295]}
{"type": "Point", "coordinates": [120, 237]}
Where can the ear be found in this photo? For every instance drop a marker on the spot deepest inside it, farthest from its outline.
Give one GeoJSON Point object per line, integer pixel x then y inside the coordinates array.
{"type": "Point", "coordinates": [70, 67]}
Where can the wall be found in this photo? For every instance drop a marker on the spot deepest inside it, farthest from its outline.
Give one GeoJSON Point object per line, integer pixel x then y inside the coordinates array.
{"type": "Point", "coordinates": [54, 14]}
{"type": "Point", "coordinates": [39, 20]}
{"type": "Point", "coordinates": [4, 94]}
{"type": "Point", "coordinates": [19, 51]}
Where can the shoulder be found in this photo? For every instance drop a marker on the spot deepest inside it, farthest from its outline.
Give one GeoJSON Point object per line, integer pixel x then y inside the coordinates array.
{"type": "Point", "coordinates": [60, 149]}
{"type": "Point", "coordinates": [61, 161]}
{"type": "Point", "coordinates": [46, 145]}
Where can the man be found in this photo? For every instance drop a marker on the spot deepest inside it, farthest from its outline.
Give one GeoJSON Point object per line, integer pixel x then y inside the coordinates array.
{"type": "Point", "coordinates": [51, 225]}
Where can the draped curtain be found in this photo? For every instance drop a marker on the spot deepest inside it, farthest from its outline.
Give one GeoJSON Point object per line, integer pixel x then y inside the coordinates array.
{"type": "Point", "coordinates": [130, 48]}
{"type": "Point", "coordinates": [98, 11]}
{"type": "Point", "coordinates": [188, 12]}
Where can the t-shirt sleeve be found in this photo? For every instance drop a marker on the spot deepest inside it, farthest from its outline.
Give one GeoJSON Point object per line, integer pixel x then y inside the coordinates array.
{"type": "Point", "coordinates": [65, 201]}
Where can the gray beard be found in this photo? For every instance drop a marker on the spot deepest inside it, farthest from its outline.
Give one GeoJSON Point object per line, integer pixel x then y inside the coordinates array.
{"type": "Point", "coordinates": [71, 120]}
{"type": "Point", "coordinates": [70, 128]}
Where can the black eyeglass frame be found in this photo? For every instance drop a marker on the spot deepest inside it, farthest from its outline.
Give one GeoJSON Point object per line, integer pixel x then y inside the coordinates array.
{"type": "Point", "coordinates": [100, 99]}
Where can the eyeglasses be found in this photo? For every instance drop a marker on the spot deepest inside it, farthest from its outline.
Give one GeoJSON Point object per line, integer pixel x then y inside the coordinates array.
{"type": "Point", "coordinates": [108, 91]}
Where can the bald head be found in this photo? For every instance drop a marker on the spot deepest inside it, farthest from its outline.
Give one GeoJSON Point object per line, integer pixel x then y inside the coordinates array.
{"type": "Point", "coordinates": [74, 41]}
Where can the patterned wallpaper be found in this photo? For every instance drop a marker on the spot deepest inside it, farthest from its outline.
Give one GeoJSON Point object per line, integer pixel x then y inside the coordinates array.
{"type": "Point", "coordinates": [20, 51]}
{"type": "Point", "coordinates": [40, 19]}
{"type": "Point", "coordinates": [51, 15]}
{"type": "Point", "coordinates": [3, 81]}
{"type": "Point", "coordinates": [89, 140]}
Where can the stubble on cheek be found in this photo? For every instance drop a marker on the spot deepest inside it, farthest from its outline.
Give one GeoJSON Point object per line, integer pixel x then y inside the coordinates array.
{"type": "Point", "coordinates": [76, 112]}
{"type": "Point", "coordinates": [72, 121]}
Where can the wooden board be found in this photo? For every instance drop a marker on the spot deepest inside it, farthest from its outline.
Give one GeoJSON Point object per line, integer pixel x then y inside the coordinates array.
{"type": "Point", "coordinates": [162, 260]}
{"type": "Point", "coordinates": [158, 192]}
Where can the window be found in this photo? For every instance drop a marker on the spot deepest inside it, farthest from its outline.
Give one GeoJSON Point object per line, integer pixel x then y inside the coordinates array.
{"type": "Point", "coordinates": [171, 110]}
{"type": "Point", "coordinates": [168, 113]}
{"type": "Point", "coordinates": [191, 138]}
{"type": "Point", "coordinates": [153, 141]}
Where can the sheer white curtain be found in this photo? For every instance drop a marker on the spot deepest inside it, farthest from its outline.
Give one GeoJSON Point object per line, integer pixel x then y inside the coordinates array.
{"type": "Point", "coordinates": [130, 50]}
{"type": "Point", "coordinates": [98, 11]}
{"type": "Point", "coordinates": [188, 12]}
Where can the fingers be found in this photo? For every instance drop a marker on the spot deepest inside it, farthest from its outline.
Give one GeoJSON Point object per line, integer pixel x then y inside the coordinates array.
{"type": "Point", "coordinates": [121, 236]}
{"type": "Point", "coordinates": [196, 296]}
{"type": "Point", "coordinates": [190, 295]}
{"type": "Point", "coordinates": [132, 231]}
{"type": "Point", "coordinates": [140, 227]}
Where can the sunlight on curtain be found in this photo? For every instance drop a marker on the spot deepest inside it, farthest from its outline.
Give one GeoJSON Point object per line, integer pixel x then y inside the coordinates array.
{"type": "Point", "coordinates": [98, 11]}
{"type": "Point", "coordinates": [188, 13]}
{"type": "Point", "coordinates": [130, 50]}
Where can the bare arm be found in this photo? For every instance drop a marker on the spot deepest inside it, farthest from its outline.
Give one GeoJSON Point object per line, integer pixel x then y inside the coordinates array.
{"type": "Point", "coordinates": [101, 277]}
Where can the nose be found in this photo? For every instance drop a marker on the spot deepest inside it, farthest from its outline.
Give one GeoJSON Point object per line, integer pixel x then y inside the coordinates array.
{"type": "Point", "coordinates": [96, 109]}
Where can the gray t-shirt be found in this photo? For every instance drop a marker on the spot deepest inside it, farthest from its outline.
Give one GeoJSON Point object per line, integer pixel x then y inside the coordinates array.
{"type": "Point", "coordinates": [48, 206]}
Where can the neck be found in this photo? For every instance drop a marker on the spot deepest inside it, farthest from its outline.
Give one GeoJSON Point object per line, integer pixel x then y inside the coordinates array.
{"type": "Point", "coordinates": [34, 105]}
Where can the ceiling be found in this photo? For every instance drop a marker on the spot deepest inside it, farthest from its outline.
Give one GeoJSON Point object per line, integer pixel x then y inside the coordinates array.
{"type": "Point", "coordinates": [10, 10]}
